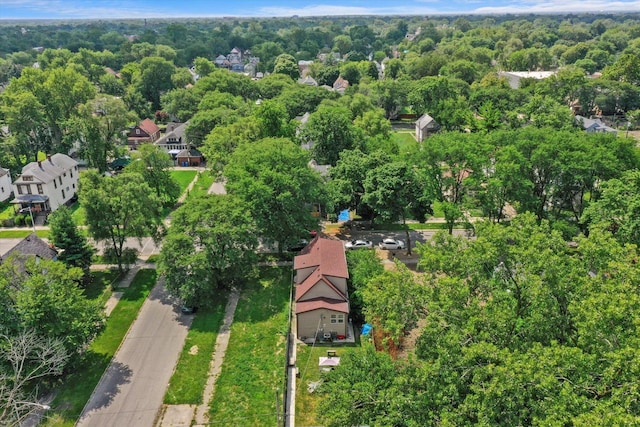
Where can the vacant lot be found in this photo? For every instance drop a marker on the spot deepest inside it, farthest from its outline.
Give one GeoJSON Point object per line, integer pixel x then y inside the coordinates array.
{"type": "Point", "coordinates": [253, 369]}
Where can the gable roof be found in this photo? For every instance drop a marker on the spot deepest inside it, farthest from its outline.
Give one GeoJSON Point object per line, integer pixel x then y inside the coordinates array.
{"type": "Point", "coordinates": [175, 131]}
{"type": "Point", "coordinates": [149, 126]}
{"type": "Point", "coordinates": [594, 125]}
{"type": "Point", "coordinates": [314, 279]}
{"type": "Point", "coordinates": [32, 245]}
{"type": "Point", "coordinates": [326, 252]}
{"type": "Point", "coordinates": [191, 152]}
{"type": "Point", "coordinates": [317, 303]}
{"type": "Point", "coordinates": [424, 121]}
{"type": "Point", "coordinates": [47, 170]}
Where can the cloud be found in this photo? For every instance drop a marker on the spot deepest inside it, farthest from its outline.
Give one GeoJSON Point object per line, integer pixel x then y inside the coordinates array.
{"type": "Point", "coordinates": [556, 6]}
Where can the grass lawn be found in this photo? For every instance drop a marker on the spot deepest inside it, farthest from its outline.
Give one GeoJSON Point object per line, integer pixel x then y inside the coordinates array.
{"type": "Point", "coordinates": [183, 178]}
{"type": "Point", "coordinates": [74, 393]}
{"type": "Point", "coordinates": [19, 234]}
{"type": "Point", "coordinates": [100, 285]}
{"type": "Point", "coordinates": [307, 362]}
{"type": "Point", "coordinates": [6, 210]}
{"type": "Point", "coordinates": [403, 138]}
{"type": "Point", "coordinates": [77, 213]}
{"type": "Point", "coordinates": [253, 368]}
{"type": "Point", "coordinates": [190, 376]}
{"type": "Point", "coordinates": [202, 185]}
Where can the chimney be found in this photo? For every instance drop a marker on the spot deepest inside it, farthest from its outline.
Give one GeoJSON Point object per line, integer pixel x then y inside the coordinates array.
{"type": "Point", "coordinates": [49, 158]}
{"type": "Point", "coordinates": [39, 164]}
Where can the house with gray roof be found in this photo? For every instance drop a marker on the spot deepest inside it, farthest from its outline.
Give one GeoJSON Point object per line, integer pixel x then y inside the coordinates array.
{"type": "Point", "coordinates": [46, 185]}
{"type": "Point", "coordinates": [425, 125]}
{"type": "Point", "coordinates": [594, 125]}
{"type": "Point", "coordinates": [5, 185]}
{"type": "Point", "coordinates": [32, 246]}
{"type": "Point", "coordinates": [174, 140]}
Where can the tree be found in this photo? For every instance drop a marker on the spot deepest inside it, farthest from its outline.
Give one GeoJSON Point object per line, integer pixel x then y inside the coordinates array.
{"type": "Point", "coordinates": [99, 128]}
{"type": "Point", "coordinates": [374, 123]}
{"type": "Point", "coordinates": [273, 120]}
{"type": "Point", "coordinates": [180, 103]}
{"type": "Point", "coordinates": [32, 359]}
{"type": "Point", "coordinates": [395, 301]}
{"type": "Point", "coordinates": [153, 163]}
{"type": "Point", "coordinates": [44, 296]}
{"type": "Point", "coordinates": [154, 79]}
{"type": "Point", "coordinates": [47, 102]}
{"type": "Point", "coordinates": [618, 208]}
{"type": "Point", "coordinates": [348, 176]}
{"type": "Point", "coordinates": [331, 131]}
{"type": "Point", "coordinates": [204, 67]}
{"type": "Point", "coordinates": [119, 207]}
{"type": "Point", "coordinates": [210, 247]}
{"type": "Point", "coordinates": [64, 234]}
{"type": "Point", "coordinates": [286, 64]}
{"type": "Point", "coordinates": [272, 177]}
{"type": "Point", "coordinates": [219, 145]}
{"type": "Point", "coordinates": [394, 191]}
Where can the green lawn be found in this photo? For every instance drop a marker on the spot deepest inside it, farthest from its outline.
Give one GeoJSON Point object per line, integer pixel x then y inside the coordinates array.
{"type": "Point", "coordinates": [307, 362]}
{"type": "Point", "coordinates": [183, 178]}
{"type": "Point", "coordinates": [202, 185]}
{"type": "Point", "coordinates": [403, 138]}
{"type": "Point", "coordinates": [253, 368]}
{"type": "Point", "coordinates": [24, 232]}
{"type": "Point", "coordinates": [190, 376]}
{"type": "Point", "coordinates": [74, 393]}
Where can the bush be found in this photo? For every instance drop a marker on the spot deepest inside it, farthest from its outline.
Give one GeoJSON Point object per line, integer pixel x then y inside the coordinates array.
{"type": "Point", "coordinates": [18, 220]}
{"type": "Point", "coordinates": [8, 222]}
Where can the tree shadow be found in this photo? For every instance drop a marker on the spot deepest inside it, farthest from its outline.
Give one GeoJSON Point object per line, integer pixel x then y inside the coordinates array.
{"type": "Point", "coordinates": [115, 377]}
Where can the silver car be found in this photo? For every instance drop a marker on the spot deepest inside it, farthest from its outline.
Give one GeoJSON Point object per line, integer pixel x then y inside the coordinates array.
{"type": "Point", "coordinates": [358, 244]}
{"type": "Point", "coordinates": [391, 244]}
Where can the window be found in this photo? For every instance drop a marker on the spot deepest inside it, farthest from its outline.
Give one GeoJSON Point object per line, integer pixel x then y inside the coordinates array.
{"type": "Point", "coordinates": [71, 173]}
{"type": "Point", "coordinates": [137, 131]}
{"type": "Point", "coordinates": [64, 174]}
{"type": "Point", "coordinates": [28, 189]}
{"type": "Point", "coordinates": [19, 189]}
{"type": "Point", "coordinates": [60, 180]}
{"type": "Point", "coordinates": [337, 318]}
{"type": "Point", "coordinates": [74, 186]}
{"type": "Point", "coordinates": [63, 194]}
{"type": "Point", "coordinates": [2, 189]}
{"type": "Point", "coordinates": [54, 184]}
{"type": "Point", "coordinates": [27, 178]}
{"type": "Point", "coordinates": [40, 189]}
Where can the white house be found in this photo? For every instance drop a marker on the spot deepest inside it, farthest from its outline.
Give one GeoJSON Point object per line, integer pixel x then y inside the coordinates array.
{"type": "Point", "coordinates": [425, 126]}
{"type": "Point", "coordinates": [46, 185]}
{"type": "Point", "coordinates": [5, 184]}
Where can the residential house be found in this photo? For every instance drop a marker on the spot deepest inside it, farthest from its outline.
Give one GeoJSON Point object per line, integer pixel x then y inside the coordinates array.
{"type": "Point", "coordinates": [31, 246]}
{"type": "Point", "coordinates": [594, 125]}
{"type": "Point", "coordinates": [145, 131]}
{"type": "Point", "coordinates": [425, 125]}
{"type": "Point", "coordinates": [46, 185]}
{"type": "Point", "coordinates": [189, 157]}
{"type": "Point", "coordinates": [5, 184]}
{"type": "Point", "coordinates": [174, 140]}
{"type": "Point", "coordinates": [308, 80]}
{"type": "Point", "coordinates": [514, 77]}
{"type": "Point", "coordinates": [221, 61]}
{"type": "Point", "coordinates": [340, 85]}
{"type": "Point", "coordinates": [321, 296]}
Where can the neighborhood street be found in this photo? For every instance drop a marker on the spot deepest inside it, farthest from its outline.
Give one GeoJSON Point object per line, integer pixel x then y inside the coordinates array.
{"type": "Point", "coordinates": [130, 392]}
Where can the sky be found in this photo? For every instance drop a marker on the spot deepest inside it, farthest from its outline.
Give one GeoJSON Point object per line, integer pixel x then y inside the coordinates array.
{"type": "Point", "coordinates": [117, 9]}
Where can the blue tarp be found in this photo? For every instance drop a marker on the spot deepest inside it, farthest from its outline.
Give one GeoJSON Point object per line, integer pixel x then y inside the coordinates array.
{"type": "Point", "coordinates": [366, 328]}
{"type": "Point", "coordinates": [343, 215]}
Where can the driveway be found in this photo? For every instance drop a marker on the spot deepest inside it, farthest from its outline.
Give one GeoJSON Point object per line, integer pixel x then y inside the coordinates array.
{"type": "Point", "coordinates": [130, 392]}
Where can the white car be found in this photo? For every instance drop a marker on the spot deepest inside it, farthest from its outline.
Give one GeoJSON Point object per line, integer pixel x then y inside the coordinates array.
{"type": "Point", "coordinates": [391, 244]}
{"type": "Point", "coordinates": [358, 244]}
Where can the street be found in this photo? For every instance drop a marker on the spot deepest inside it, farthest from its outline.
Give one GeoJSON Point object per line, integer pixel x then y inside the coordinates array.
{"type": "Point", "coordinates": [130, 392]}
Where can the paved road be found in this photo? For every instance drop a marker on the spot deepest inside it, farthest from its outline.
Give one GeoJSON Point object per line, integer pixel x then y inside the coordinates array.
{"type": "Point", "coordinates": [131, 390]}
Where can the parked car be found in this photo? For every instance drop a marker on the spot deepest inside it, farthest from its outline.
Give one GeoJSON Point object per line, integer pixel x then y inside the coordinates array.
{"type": "Point", "coordinates": [358, 244]}
{"type": "Point", "coordinates": [391, 244]}
{"type": "Point", "coordinates": [297, 247]}
{"type": "Point", "coordinates": [188, 309]}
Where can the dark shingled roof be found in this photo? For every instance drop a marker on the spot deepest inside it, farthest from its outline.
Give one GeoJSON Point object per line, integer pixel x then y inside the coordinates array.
{"type": "Point", "coordinates": [32, 245]}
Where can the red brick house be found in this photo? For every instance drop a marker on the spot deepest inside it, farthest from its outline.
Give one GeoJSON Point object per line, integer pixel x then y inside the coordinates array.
{"type": "Point", "coordinates": [321, 296]}
{"type": "Point", "coordinates": [145, 131]}
{"type": "Point", "coordinates": [189, 157]}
